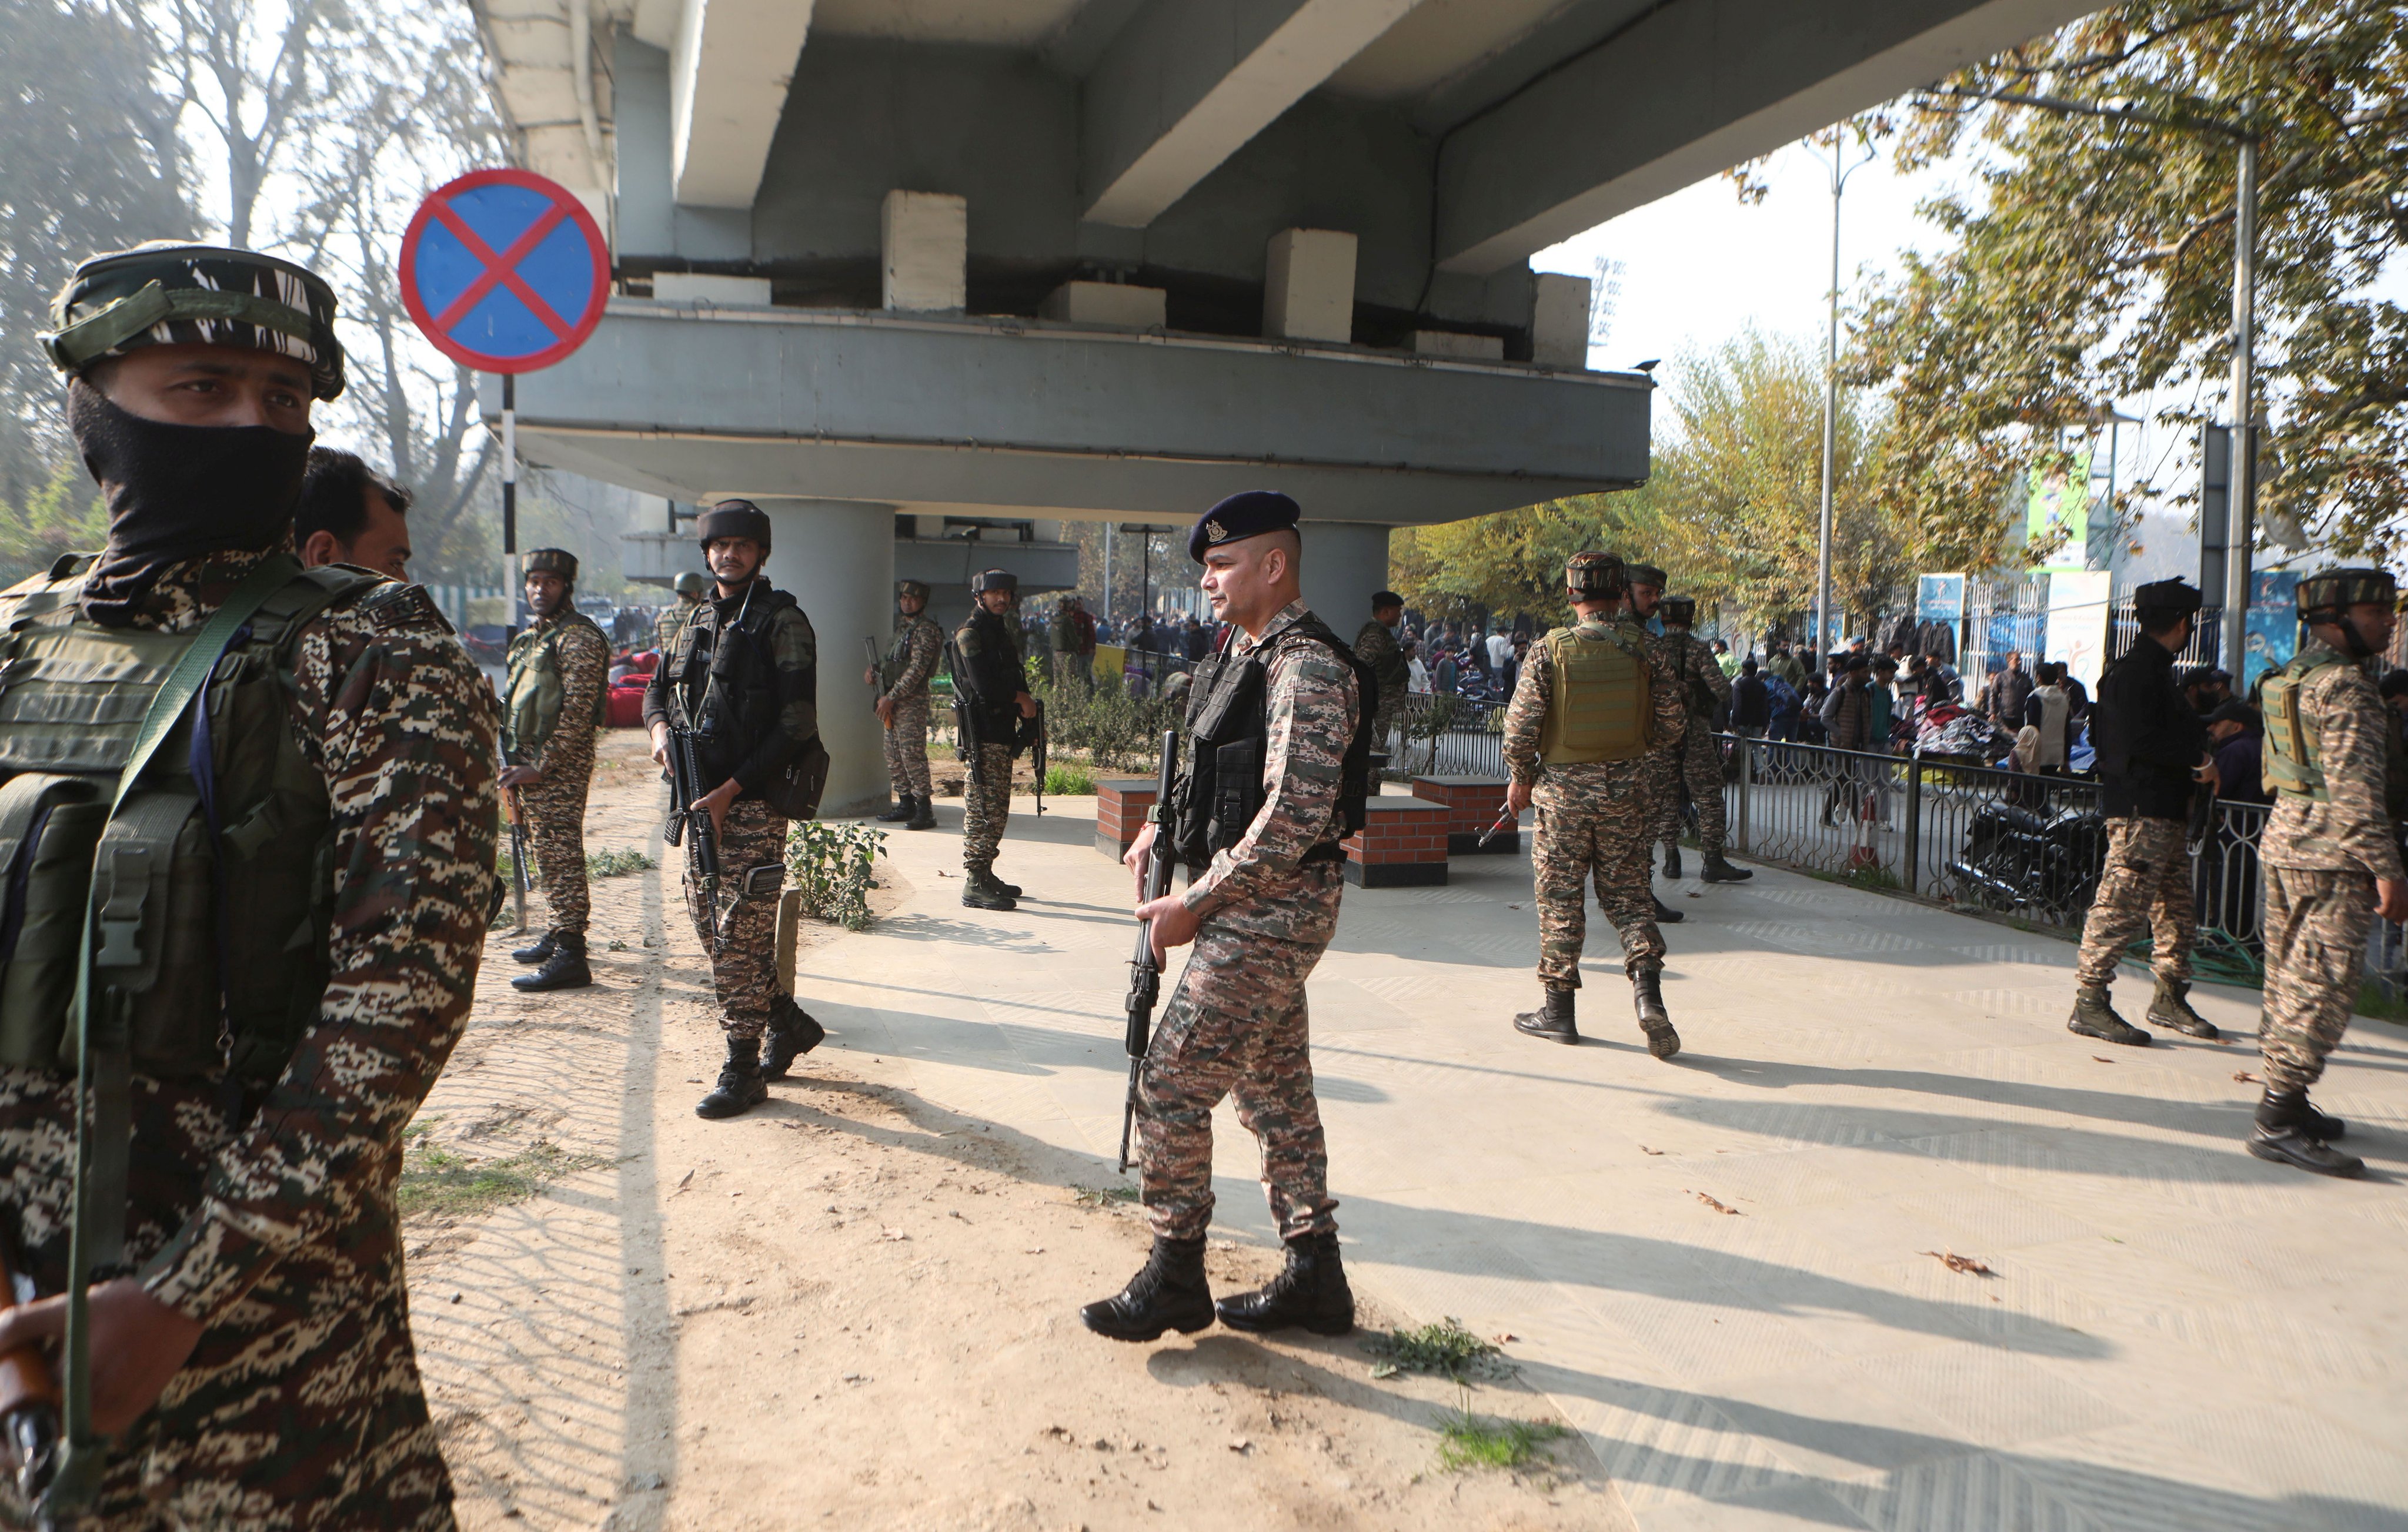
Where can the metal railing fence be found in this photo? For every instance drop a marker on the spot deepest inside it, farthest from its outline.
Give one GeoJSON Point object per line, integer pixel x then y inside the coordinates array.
{"type": "Point", "coordinates": [1446, 735]}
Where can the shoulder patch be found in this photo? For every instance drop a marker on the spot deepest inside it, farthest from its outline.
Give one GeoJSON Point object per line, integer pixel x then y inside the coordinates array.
{"type": "Point", "coordinates": [405, 608]}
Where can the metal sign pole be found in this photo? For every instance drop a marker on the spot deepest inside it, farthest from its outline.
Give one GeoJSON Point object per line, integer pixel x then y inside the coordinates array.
{"type": "Point", "coordinates": [509, 508]}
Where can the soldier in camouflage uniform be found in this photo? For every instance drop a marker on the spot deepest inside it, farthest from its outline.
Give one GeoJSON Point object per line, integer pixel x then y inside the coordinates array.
{"type": "Point", "coordinates": [552, 704]}
{"type": "Point", "coordinates": [744, 682]}
{"type": "Point", "coordinates": [1596, 820]}
{"type": "Point", "coordinates": [1376, 646]}
{"type": "Point", "coordinates": [1699, 765]}
{"type": "Point", "coordinates": [1663, 773]}
{"type": "Point", "coordinates": [990, 699]}
{"type": "Point", "coordinates": [903, 706]}
{"type": "Point", "coordinates": [2330, 850]}
{"type": "Point", "coordinates": [2153, 759]}
{"type": "Point", "coordinates": [1260, 915]}
{"type": "Point", "coordinates": [685, 596]}
{"type": "Point", "coordinates": [251, 1352]}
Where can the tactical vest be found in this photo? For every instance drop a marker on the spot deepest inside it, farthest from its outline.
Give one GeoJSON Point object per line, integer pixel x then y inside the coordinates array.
{"type": "Point", "coordinates": [724, 686]}
{"type": "Point", "coordinates": [2290, 753]}
{"type": "Point", "coordinates": [898, 654]}
{"type": "Point", "coordinates": [1598, 706]}
{"type": "Point", "coordinates": [212, 885]}
{"type": "Point", "coordinates": [538, 690]}
{"type": "Point", "coordinates": [1696, 689]}
{"type": "Point", "coordinates": [1228, 723]}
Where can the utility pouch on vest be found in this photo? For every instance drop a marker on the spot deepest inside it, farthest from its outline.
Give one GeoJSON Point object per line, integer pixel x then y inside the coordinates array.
{"type": "Point", "coordinates": [153, 882]}
{"type": "Point", "coordinates": [1599, 708]}
{"type": "Point", "coordinates": [1222, 789]}
{"type": "Point", "coordinates": [796, 791]}
{"type": "Point", "coordinates": [48, 826]}
{"type": "Point", "coordinates": [2290, 754]}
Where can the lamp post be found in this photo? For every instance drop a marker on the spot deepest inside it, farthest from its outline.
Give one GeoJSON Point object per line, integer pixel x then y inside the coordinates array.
{"type": "Point", "coordinates": [1841, 170]}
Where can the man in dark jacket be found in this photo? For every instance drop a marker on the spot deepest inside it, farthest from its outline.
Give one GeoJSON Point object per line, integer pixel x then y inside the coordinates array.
{"type": "Point", "coordinates": [1751, 702]}
{"type": "Point", "coordinates": [2152, 757]}
{"type": "Point", "coordinates": [990, 681]}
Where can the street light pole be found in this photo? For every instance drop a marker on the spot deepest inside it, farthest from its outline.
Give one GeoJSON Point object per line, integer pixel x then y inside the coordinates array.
{"type": "Point", "coordinates": [2241, 502]}
{"type": "Point", "coordinates": [1825, 639]}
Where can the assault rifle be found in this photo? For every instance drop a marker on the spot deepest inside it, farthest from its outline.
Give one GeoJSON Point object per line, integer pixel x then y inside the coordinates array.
{"type": "Point", "coordinates": [515, 813]}
{"type": "Point", "coordinates": [1145, 973]}
{"type": "Point", "coordinates": [1036, 753]}
{"type": "Point", "coordinates": [686, 787]}
{"type": "Point", "coordinates": [877, 687]}
{"type": "Point", "coordinates": [29, 1419]}
{"type": "Point", "coordinates": [2202, 818]}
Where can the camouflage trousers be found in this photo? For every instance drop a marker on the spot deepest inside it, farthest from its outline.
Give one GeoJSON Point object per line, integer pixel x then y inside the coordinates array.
{"type": "Point", "coordinates": [2316, 926]}
{"type": "Point", "coordinates": [1237, 1027]}
{"type": "Point", "coordinates": [1695, 764]}
{"type": "Point", "coordinates": [1389, 717]}
{"type": "Point", "coordinates": [301, 1409]}
{"type": "Point", "coordinates": [743, 947]}
{"type": "Point", "coordinates": [2147, 887]}
{"type": "Point", "coordinates": [907, 747]}
{"type": "Point", "coordinates": [1582, 838]}
{"type": "Point", "coordinates": [553, 812]}
{"type": "Point", "coordinates": [987, 804]}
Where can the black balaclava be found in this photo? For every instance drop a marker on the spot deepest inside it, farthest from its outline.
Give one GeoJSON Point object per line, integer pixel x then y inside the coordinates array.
{"type": "Point", "coordinates": [177, 492]}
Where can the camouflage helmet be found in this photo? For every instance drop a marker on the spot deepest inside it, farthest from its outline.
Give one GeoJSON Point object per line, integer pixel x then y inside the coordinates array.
{"type": "Point", "coordinates": [1679, 611]}
{"type": "Point", "coordinates": [917, 588]}
{"type": "Point", "coordinates": [167, 293]}
{"type": "Point", "coordinates": [1596, 577]}
{"type": "Point", "coordinates": [552, 561]}
{"type": "Point", "coordinates": [688, 584]}
{"type": "Point", "coordinates": [2327, 594]}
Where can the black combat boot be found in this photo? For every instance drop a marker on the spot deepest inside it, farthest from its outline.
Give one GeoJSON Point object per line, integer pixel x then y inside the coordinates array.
{"type": "Point", "coordinates": [2093, 1017]}
{"type": "Point", "coordinates": [1719, 871]}
{"type": "Point", "coordinates": [979, 891]}
{"type": "Point", "coordinates": [790, 1033]}
{"type": "Point", "coordinates": [1553, 1019]}
{"type": "Point", "coordinates": [536, 951]}
{"type": "Point", "coordinates": [2283, 1136]}
{"type": "Point", "coordinates": [1010, 891]}
{"type": "Point", "coordinates": [739, 1088]}
{"type": "Point", "coordinates": [1666, 914]}
{"type": "Point", "coordinates": [565, 969]}
{"type": "Point", "coordinates": [2322, 1126]}
{"type": "Point", "coordinates": [1672, 861]}
{"type": "Point", "coordinates": [1170, 1294]}
{"type": "Point", "coordinates": [903, 809]}
{"type": "Point", "coordinates": [1647, 998]}
{"type": "Point", "coordinates": [1309, 1292]}
{"type": "Point", "coordinates": [923, 814]}
{"type": "Point", "coordinates": [2172, 1011]}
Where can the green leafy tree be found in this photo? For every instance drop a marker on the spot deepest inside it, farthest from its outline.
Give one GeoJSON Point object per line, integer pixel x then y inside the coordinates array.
{"type": "Point", "coordinates": [2094, 261]}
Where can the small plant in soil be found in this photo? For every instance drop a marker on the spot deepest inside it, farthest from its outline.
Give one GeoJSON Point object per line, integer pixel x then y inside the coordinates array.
{"type": "Point", "coordinates": [1466, 1440]}
{"type": "Point", "coordinates": [834, 868]}
{"type": "Point", "coordinates": [617, 864]}
{"type": "Point", "coordinates": [1106, 1197]}
{"type": "Point", "coordinates": [435, 1183]}
{"type": "Point", "coordinates": [1444, 1349]}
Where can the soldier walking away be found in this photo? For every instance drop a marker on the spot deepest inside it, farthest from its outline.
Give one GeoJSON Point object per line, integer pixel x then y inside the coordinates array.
{"type": "Point", "coordinates": [554, 701]}
{"type": "Point", "coordinates": [250, 1359]}
{"type": "Point", "coordinates": [990, 701]}
{"type": "Point", "coordinates": [2153, 757]}
{"type": "Point", "coordinates": [1578, 743]}
{"type": "Point", "coordinates": [1062, 636]}
{"type": "Point", "coordinates": [743, 686]}
{"type": "Point", "coordinates": [1663, 773]}
{"type": "Point", "coordinates": [351, 514]}
{"type": "Point", "coordinates": [1704, 690]}
{"type": "Point", "coordinates": [1275, 780]}
{"type": "Point", "coordinates": [2330, 850]}
{"type": "Point", "coordinates": [902, 706]}
{"type": "Point", "coordinates": [1376, 646]}
{"type": "Point", "coordinates": [685, 596]}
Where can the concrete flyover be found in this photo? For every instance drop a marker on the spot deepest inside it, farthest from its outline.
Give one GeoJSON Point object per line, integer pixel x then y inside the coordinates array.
{"type": "Point", "coordinates": [1023, 261]}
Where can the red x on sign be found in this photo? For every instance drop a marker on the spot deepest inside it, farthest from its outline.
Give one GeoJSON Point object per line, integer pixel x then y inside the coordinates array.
{"type": "Point", "coordinates": [505, 271]}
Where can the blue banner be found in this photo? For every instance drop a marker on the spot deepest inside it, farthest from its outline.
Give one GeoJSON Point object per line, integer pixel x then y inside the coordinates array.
{"type": "Point", "coordinates": [2274, 629]}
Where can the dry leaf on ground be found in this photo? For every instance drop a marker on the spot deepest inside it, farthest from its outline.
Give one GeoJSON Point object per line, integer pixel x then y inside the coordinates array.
{"type": "Point", "coordinates": [1966, 1264]}
{"type": "Point", "coordinates": [1714, 1204]}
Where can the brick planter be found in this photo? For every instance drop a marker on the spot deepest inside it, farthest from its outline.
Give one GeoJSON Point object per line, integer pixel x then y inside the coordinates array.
{"type": "Point", "coordinates": [1121, 808]}
{"type": "Point", "coordinates": [1471, 804]}
{"type": "Point", "coordinates": [1402, 844]}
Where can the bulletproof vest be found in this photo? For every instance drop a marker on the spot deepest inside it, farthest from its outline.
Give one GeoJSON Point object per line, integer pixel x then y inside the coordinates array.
{"type": "Point", "coordinates": [727, 680]}
{"type": "Point", "coordinates": [995, 720]}
{"type": "Point", "coordinates": [2290, 752]}
{"type": "Point", "coordinates": [537, 689]}
{"type": "Point", "coordinates": [898, 654]}
{"type": "Point", "coordinates": [1229, 724]}
{"type": "Point", "coordinates": [213, 884]}
{"type": "Point", "coordinates": [1598, 706]}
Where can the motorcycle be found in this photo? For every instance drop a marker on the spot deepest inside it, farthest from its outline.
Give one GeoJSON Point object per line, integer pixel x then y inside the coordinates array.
{"type": "Point", "coordinates": [2019, 859]}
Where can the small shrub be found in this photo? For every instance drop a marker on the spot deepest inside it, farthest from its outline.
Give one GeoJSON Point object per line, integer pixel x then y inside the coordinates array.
{"type": "Point", "coordinates": [615, 864]}
{"type": "Point", "coordinates": [1108, 726]}
{"type": "Point", "coordinates": [1444, 1349]}
{"type": "Point", "coordinates": [834, 867]}
{"type": "Point", "coordinates": [1471, 1441]}
{"type": "Point", "coordinates": [1062, 781]}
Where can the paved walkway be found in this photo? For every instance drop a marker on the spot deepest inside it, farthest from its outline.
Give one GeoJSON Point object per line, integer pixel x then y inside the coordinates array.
{"type": "Point", "coordinates": [2174, 1335]}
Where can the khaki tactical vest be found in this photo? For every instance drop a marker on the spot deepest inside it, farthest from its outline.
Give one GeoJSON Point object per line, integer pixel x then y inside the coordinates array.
{"type": "Point", "coordinates": [536, 689]}
{"type": "Point", "coordinates": [1597, 708]}
{"type": "Point", "coordinates": [2290, 754]}
{"type": "Point", "coordinates": [213, 886]}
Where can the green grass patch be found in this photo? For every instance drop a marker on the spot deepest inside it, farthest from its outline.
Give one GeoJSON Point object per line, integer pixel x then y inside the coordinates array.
{"type": "Point", "coordinates": [1068, 780]}
{"type": "Point", "coordinates": [1466, 1440]}
{"type": "Point", "coordinates": [616, 863]}
{"type": "Point", "coordinates": [1106, 1197]}
{"type": "Point", "coordinates": [1444, 1349]}
{"type": "Point", "coordinates": [2375, 1001]}
{"type": "Point", "coordinates": [438, 1183]}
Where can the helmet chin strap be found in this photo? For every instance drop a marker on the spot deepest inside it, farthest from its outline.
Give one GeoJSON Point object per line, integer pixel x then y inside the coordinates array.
{"type": "Point", "coordinates": [2359, 648]}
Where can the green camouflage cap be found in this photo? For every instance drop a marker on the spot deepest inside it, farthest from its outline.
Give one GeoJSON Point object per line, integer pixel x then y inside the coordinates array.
{"type": "Point", "coordinates": [912, 587]}
{"type": "Point", "coordinates": [2334, 590]}
{"type": "Point", "coordinates": [172, 295]}
{"type": "Point", "coordinates": [552, 561]}
{"type": "Point", "coordinates": [688, 584]}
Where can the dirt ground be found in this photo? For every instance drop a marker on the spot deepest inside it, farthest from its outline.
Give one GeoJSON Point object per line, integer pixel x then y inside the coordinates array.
{"type": "Point", "coordinates": [852, 1307]}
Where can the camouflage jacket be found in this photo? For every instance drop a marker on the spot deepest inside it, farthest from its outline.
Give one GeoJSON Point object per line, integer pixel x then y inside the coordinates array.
{"type": "Point", "coordinates": [390, 708]}
{"type": "Point", "coordinates": [583, 656]}
{"type": "Point", "coordinates": [919, 644]}
{"type": "Point", "coordinates": [1310, 701]}
{"type": "Point", "coordinates": [2353, 832]}
{"type": "Point", "coordinates": [1702, 678]}
{"type": "Point", "coordinates": [1526, 717]}
{"type": "Point", "coordinates": [1376, 647]}
{"type": "Point", "coordinates": [671, 621]}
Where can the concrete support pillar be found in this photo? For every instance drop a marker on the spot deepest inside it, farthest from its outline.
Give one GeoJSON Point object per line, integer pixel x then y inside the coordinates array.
{"type": "Point", "coordinates": [924, 239]}
{"type": "Point", "coordinates": [837, 558]}
{"type": "Point", "coordinates": [1344, 562]}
